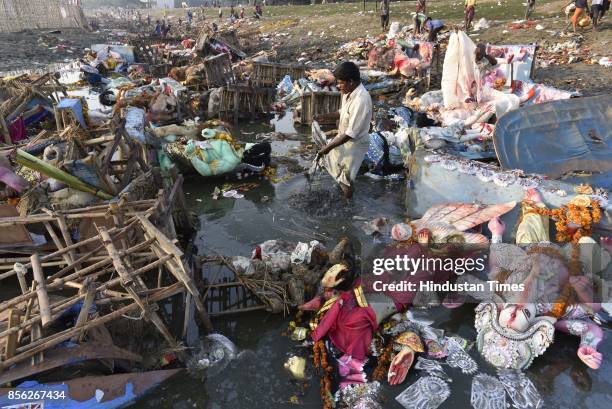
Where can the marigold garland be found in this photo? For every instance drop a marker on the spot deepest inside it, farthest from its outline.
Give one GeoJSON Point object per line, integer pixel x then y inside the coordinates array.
{"type": "Point", "coordinates": [383, 363]}
{"type": "Point", "coordinates": [583, 216]}
{"type": "Point", "coordinates": [320, 362]}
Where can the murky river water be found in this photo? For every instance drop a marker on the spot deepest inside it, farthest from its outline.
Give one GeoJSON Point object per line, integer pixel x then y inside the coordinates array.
{"type": "Point", "coordinates": [233, 226]}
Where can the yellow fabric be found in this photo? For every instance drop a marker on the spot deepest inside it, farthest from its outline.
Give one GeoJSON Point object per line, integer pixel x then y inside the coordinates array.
{"type": "Point", "coordinates": [469, 3]}
{"type": "Point", "coordinates": [314, 322]}
{"type": "Point", "coordinates": [361, 300]}
{"type": "Point", "coordinates": [533, 228]}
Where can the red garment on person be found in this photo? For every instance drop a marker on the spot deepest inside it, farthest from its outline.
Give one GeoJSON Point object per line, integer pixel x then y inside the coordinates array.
{"type": "Point", "coordinates": [348, 326]}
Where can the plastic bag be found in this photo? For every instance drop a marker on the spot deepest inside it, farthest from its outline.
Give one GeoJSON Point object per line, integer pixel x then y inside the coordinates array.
{"type": "Point", "coordinates": [303, 252]}
{"type": "Point", "coordinates": [393, 30]}
{"type": "Point", "coordinates": [285, 87]}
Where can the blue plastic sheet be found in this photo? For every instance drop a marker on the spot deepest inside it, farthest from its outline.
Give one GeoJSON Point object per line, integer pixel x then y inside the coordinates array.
{"type": "Point", "coordinates": [559, 139]}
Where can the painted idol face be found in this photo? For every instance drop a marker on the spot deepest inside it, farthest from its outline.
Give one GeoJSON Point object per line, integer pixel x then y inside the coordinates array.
{"type": "Point", "coordinates": [517, 316]}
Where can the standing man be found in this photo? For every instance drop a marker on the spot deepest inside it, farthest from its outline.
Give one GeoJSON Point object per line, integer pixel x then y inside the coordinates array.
{"type": "Point", "coordinates": [530, 9]}
{"type": "Point", "coordinates": [384, 15]}
{"type": "Point", "coordinates": [597, 9]}
{"type": "Point", "coordinates": [343, 155]}
{"type": "Point", "coordinates": [470, 11]}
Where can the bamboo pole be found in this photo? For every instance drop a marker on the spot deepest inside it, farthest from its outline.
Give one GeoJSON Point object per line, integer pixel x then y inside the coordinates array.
{"type": "Point", "coordinates": [41, 290]}
{"type": "Point", "coordinates": [56, 339]}
{"type": "Point", "coordinates": [239, 310]}
{"type": "Point", "coordinates": [67, 258]}
{"type": "Point", "coordinates": [11, 340]}
{"type": "Point", "coordinates": [114, 230]}
{"type": "Point", "coordinates": [62, 305]}
{"type": "Point", "coordinates": [63, 226]}
{"type": "Point", "coordinates": [32, 162]}
{"type": "Point", "coordinates": [90, 293]}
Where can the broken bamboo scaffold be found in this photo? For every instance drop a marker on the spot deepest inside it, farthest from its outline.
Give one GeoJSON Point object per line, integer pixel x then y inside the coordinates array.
{"type": "Point", "coordinates": [100, 265]}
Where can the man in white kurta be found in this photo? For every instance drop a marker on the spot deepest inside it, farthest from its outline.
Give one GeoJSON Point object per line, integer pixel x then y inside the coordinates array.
{"type": "Point", "coordinates": [343, 155]}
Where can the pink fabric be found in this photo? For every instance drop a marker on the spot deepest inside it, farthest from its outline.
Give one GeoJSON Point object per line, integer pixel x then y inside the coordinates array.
{"type": "Point", "coordinates": [8, 177]}
{"type": "Point", "coordinates": [348, 326]}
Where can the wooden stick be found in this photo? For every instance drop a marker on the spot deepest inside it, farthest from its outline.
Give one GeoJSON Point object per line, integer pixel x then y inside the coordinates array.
{"type": "Point", "coordinates": [57, 242]}
{"type": "Point", "coordinates": [60, 337]}
{"type": "Point", "coordinates": [41, 290]}
{"type": "Point", "coordinates": [62, 305]}
{"type": "Point", "coordinates": [237, 311]}
{"type": "Point", "coordinates": [63, 226]}
{"type": "Point", "coordinates": [11, 340]}
{"type": "Point", "coordinates": [21, 272]}
{"type": "Point", "coordinates": [114, 230]}
{"type": "Point", "coordinates": [90, 293]}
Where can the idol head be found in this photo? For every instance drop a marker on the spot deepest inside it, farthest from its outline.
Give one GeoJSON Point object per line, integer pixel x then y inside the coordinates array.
{"type": "Point", "coordinates": [517, 317]}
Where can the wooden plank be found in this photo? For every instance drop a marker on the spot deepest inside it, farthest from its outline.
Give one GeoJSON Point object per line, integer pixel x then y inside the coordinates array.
{"type": "Point", "coordinates": [15, 234]}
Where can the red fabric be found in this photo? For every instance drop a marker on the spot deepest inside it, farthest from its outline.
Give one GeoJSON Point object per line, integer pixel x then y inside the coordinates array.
{"type": "Point", "coordinates": [18, 130]}
{"type": "Point", "coordinates": [348, 326]}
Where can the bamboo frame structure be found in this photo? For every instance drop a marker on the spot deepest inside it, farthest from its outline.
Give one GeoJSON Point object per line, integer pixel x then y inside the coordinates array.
{"type": "Point", "coordinates": [114, 272]}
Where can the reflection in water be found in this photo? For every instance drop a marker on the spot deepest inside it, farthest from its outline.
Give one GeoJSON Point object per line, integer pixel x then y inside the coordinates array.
{"type": "Point", "coordinates": [283, 122]}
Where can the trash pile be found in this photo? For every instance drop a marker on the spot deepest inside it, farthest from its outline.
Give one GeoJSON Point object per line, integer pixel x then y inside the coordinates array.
{"type": "Point", "coordinates": [92, 161]}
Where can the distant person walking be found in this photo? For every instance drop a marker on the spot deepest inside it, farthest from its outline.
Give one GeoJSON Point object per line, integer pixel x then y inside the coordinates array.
{"type": "Point", "coordinates": [220, 13]}
{"type": "Point", "coordinates": [581, 6]}
{"type": "Point", "coordinates": [158, 29]}
{"type": "Point", "coordinates": [530, 9]}
{"type": "Point", "coordinates": [606, 7]}
{"type": "Point", "coordinates": [470, 12]}
{"type": "Point", "coordinates": [596, 12]}
{"type": "Point", "coordinates": [384, 15]}
{"type": "Point", "coordinates": [420, 15]}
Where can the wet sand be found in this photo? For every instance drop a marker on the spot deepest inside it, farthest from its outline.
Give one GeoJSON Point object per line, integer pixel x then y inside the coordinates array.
{"type": "Point", "coordinates": [35, 49]}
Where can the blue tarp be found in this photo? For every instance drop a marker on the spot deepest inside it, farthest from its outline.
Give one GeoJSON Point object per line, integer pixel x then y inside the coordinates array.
{"type": "Point", "coordinates": [558, 139]}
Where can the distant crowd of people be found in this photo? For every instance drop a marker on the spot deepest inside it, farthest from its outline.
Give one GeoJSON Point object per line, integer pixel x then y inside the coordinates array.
{"type": "Point", "coordinates": [577, 12]}
{"type": "Point", "coordinates": [235, 15]}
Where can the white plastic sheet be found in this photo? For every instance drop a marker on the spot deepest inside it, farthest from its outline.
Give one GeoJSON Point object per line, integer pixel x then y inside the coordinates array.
{"type": "Point", "coordinates": [458, 71]}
